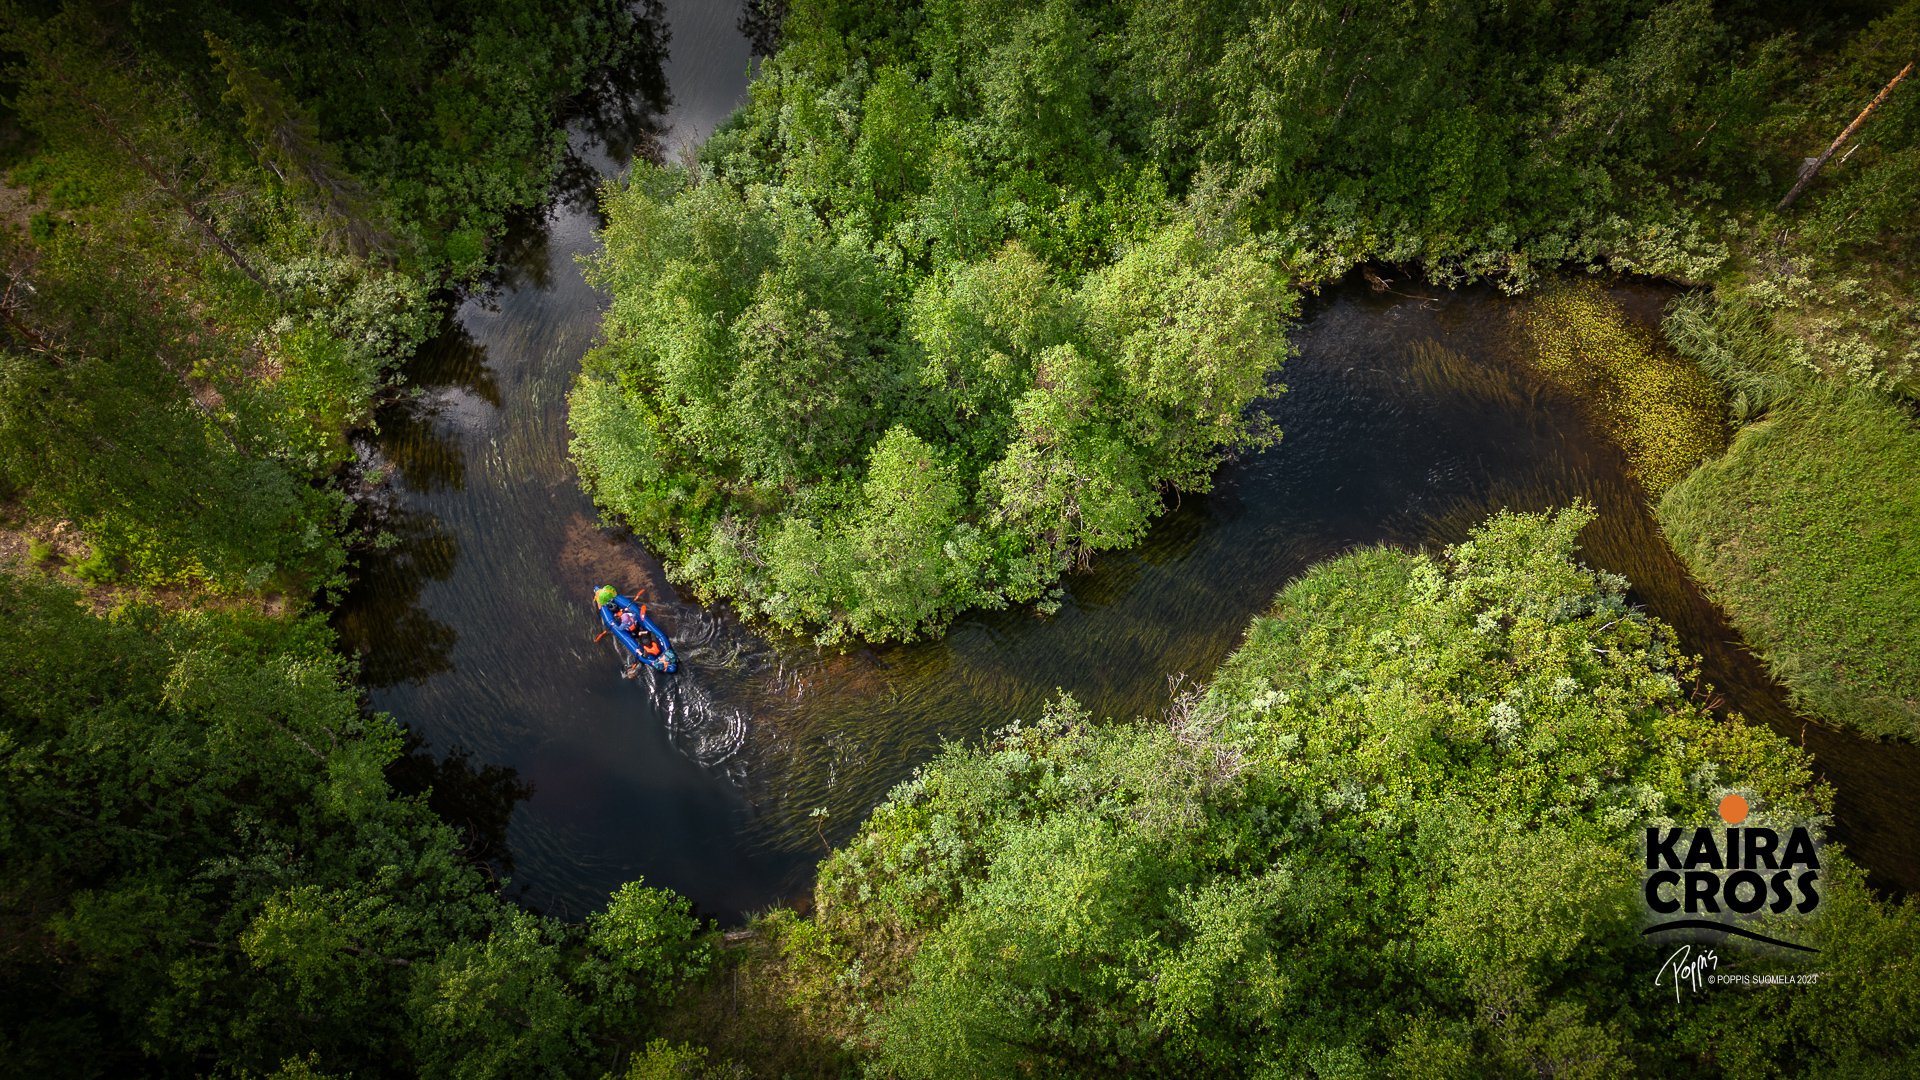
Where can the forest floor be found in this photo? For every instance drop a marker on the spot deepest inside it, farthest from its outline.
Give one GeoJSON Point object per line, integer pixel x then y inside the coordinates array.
{"type": "Point", "coordinates": [58, 549]}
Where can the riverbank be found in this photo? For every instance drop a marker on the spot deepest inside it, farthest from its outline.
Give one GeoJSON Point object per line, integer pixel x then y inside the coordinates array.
{"type": "Point", "coordinates": [897, 201]}
{"type": "Point", "coordinates": [1808, 533]}
{"type": "Point", "coordinates": [1808, 530]}
{"type": "Point", "coordinates": [1419, 776]}
{"type": "Point", "coordinates": [1789, 500]}
{"type": "Point", "coordinates": [226, 229]}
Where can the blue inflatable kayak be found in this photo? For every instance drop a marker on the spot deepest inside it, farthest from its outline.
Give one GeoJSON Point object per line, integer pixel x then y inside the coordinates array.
{"type": "Point", "coordinates": [635, 643]}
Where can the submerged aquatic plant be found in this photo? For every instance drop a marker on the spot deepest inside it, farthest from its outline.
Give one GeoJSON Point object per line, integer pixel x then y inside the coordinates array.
{"type": "Point", "coordinates": [1662, 410]}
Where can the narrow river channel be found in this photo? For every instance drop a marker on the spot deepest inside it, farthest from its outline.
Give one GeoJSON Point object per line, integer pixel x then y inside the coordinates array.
{"type": "Point", "coordinates": [1409, 417]}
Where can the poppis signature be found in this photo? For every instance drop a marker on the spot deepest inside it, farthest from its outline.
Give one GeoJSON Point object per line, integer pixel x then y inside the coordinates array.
{"type": "Point", "coordinates": [1687, 969]}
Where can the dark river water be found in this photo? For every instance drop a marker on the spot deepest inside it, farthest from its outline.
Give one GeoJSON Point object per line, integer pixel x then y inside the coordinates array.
{"type": "Point", "coordinates": [1410, 416]}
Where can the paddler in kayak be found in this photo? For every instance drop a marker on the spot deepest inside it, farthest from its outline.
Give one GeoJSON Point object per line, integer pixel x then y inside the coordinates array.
{"type": "Point", "coordinates": [625, 620]}
{"type": "Point", "coordinates": [641, 634]}
{"type": "Point", "coordinates": [644, 641]}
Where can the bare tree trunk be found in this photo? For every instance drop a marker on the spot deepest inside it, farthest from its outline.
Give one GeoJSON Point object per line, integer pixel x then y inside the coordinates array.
{"type": "Point", "coordinates": [1807, 174]}
{"type": "Point", "coordinates": [12, 314]}
{"type": "Point", "coordinates": [180, 198]}
{"type": "Point", "coordinates": [116, 131]}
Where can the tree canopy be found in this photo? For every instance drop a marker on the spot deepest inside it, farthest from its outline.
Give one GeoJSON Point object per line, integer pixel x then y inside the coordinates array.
{"type": "Point", "coordinates": [1397, 835]}
{"type": "Point", "coordinates": [217, 861]}
{"type": "Point", "coordinates": [208, 868]}
{"type": "Point", "coordinates": [238, 216]}
{"type": "Point", "coordinates": [1057, 242]}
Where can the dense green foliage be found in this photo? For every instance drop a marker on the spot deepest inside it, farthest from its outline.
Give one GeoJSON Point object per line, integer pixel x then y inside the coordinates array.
{"type": "Point", "coordinates": [409, 128]}
{"type": "Point", "coordinates": [224, 223]}
{"type": "Point", "coordinates": [838, 445]}
{"type": "Point", "coordinates": [1473, 136]}
{"type": "Point", "coordinates": [1398, 835]}
{"type": "Point", "coordinates": [207, 869]}
{"type": "Point", "coordinates": [919, 205]}
{"type": "Point", "coordinates": [958, 298]}
{"type": "Point", "coordinates": [236, 214]}
{"type": "Point", "coordinates": [1806, 531]}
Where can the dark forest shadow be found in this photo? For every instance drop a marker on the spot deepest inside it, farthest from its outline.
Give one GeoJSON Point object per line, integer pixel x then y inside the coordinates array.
{"type": "Point", "coordinates": [476, 799]}
{"type": "Point", "coordinates": [381, 620]}
{"type": "Point", "coordinates": [760, 22]}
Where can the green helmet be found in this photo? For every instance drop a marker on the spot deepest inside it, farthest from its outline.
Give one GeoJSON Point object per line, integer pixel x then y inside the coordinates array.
{"type": "Point", "coordinates": [605, 595]}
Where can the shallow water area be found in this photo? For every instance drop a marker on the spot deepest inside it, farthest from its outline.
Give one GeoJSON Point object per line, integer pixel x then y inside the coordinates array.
{"type": "Point", "coordinates": [1409, 416]}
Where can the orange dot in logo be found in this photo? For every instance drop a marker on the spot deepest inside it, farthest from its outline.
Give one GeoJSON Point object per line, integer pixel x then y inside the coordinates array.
{"type": "Point", "coordinates": [1733, 809]}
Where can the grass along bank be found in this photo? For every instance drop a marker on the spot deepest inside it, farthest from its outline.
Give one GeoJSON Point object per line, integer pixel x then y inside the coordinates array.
{"type": "Point", "coordinates": [1804, 526]}
{"type": "Point", "coordinates": [1808, 533]}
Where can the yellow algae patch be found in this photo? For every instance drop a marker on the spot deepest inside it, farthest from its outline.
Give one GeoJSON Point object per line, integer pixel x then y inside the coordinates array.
{"type": "Point", "coordinates": [1662, 410]}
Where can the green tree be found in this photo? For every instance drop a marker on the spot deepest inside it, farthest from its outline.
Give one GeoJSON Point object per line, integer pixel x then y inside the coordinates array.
{"type": "Point", "coordinates": [981, 327]}
{"type": "Point", "coordinates": [1194, 335]}
{"type": "Point", "coordinates": [500, 1006]}
{"type": "Point", "coordinates": [287, 141]}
